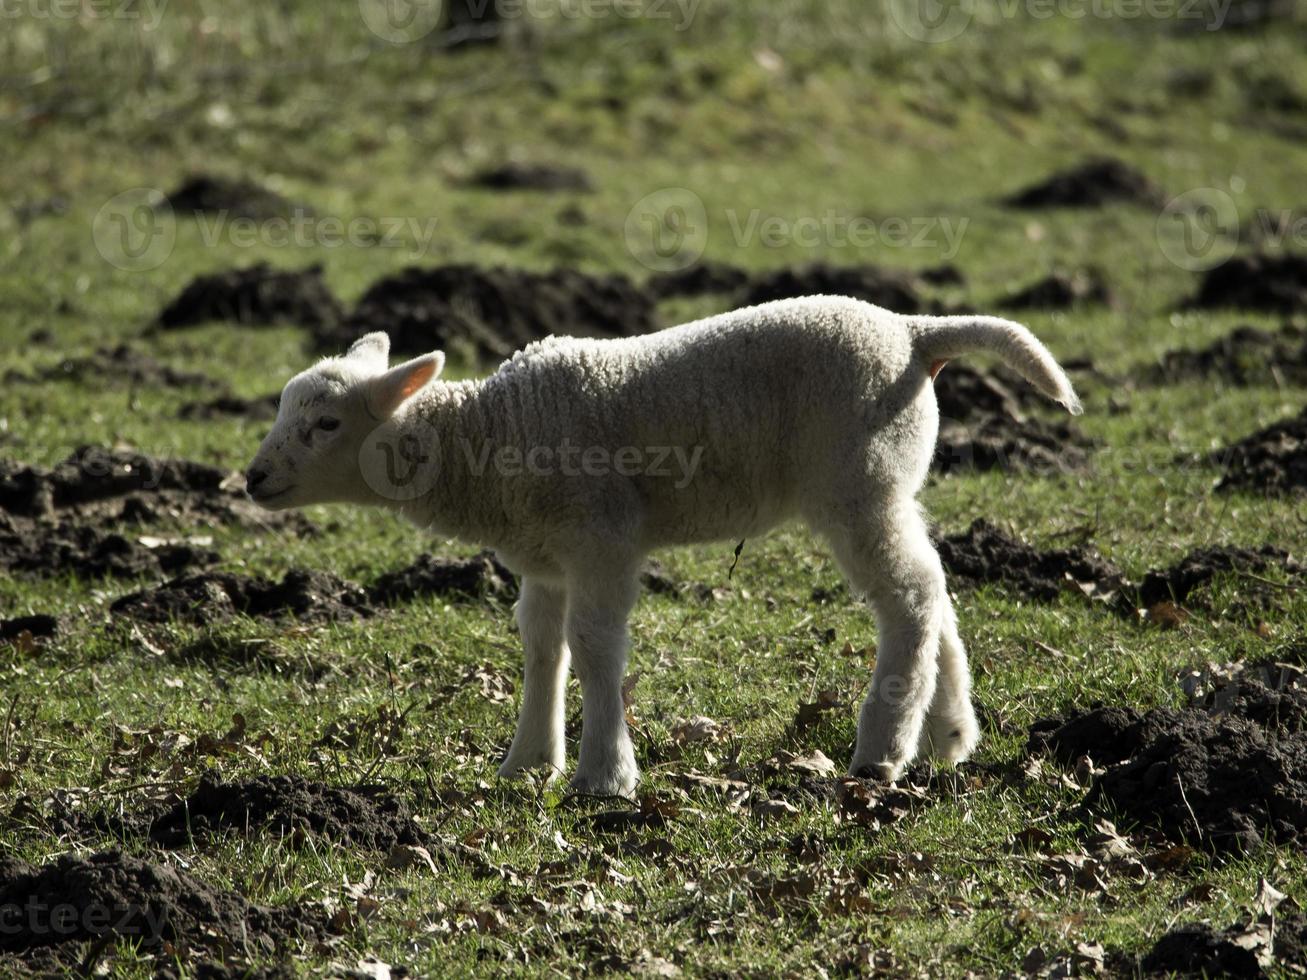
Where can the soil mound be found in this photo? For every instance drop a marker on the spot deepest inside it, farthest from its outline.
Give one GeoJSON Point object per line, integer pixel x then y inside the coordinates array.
{"type": "Point", "coordinates": [1226, 779]}
{"type": "Point", "coordinates": [700, 279]}
{"type": "Point", "coordinates": [1064, 291]}
{"type": "Point", "coordinates": [984, 554]}
{"type": "Point", "coordinates": [1244, 357]}
{"type": "Point", "coordinates": [207, 194]}
{"type": "Point", "coordinates": [362, 816]}
{"type": "Point", "coordinates": [1270, 283]}
{"type": "Point", "coordinates": [231, 406]}
{"type": "Point", "coordinates": [1092, 184]}
{"type": "Point", "coordinates": [116, 366]}
{"type": "Point", "coordinates": [308, 596]}
{"type": "Point", "coordinates": [64, 546]}
{"type": "Point", "coordinates": [1245, 949]}
{"type": "Point", "coordinates": [257, 295]}
{"type": "Point", "coordinates": [139, 901]}
{"type": "Point", "coordinates": [533, 177]}
{"type": "Point", "coordinates": [894, 289]}
{"type": "Point", "coordinates": [492, 311]}
{"type": "Point", "coordinates": [477, 577]}
{"type": "Point", "coordinates": [38, 626]}
{"type": "Point", "coordinates": [1270, 461]}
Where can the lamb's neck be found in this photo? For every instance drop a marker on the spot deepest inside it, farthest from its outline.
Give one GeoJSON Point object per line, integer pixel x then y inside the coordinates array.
{"type": "Point", "coordinates": [441, 424]}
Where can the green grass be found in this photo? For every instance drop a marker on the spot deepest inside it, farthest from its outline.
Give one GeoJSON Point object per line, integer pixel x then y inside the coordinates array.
{"type": "Point", "coordinates": [793, 109]}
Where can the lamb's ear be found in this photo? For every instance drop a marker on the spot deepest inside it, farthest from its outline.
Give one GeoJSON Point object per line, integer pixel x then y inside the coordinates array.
{"type": "Point", "coordinates": [374, 348]}
{"type": "Point", "coordinates": [388, 391]}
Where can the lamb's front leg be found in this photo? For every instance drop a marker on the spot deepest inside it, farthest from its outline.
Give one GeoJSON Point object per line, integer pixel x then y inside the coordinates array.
{"type": "Point", "coordinates": [539, 741]}
{"type": "Point", "coordinates": [597, 608]}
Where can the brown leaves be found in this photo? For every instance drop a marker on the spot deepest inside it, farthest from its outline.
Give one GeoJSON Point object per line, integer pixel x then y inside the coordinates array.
{"type": "Point", "coordinates": [873, 805]}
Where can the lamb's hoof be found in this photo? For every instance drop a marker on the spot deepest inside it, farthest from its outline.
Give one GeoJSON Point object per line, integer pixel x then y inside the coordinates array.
{"type": "Point", "coordinates": [953, 739]}
{"type": "Point", "coordinates": [520, 767]}
{"type": "Point", "coordinates": [614, 783]}
{"type": "Point", "coordinates": [885, 772]}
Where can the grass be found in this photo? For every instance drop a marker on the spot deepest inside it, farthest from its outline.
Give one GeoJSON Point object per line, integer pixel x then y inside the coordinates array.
{"type": "Point", "coordinates": [793, 110]}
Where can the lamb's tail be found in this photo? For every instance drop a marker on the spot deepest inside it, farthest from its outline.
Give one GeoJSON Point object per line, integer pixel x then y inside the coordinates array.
{"type": "Point", "coordinates": [940, 338]}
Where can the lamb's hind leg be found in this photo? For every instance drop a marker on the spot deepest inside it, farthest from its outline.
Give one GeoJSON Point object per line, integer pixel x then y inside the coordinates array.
{"type": "Point", "coordinates": [889, 557]}
{"type": "Point", "coordinates": [598, 603]}
{"type": "Point", "coordinates": [539, 741]}
{"type": "Point", "coordinates": [951, 722]}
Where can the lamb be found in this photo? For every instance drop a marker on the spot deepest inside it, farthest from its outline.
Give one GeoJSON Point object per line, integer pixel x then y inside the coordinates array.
{"type": "Point", "coordinates": [579, 457]}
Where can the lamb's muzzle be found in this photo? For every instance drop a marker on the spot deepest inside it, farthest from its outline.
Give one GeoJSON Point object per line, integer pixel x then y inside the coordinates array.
{"type": "Point", "coordinates": [819, 408]}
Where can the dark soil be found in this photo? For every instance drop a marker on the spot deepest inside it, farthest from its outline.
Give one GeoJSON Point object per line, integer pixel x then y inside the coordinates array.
{"type": "Point", "coordinates": [362, 816]}
{"type": "Point", "coordinates": [231, 406]}
{"type": "Point", "coordinates": [207, 194]}
{"type": "Point", "coordinates": [121, 365]}
{"type": "Point", "coordinates": [983, 427]}
{"type": "Point", "coordinates": [1246, 356]}
{"type": "Point", "coordinates": [1270, 461]}
{"type": "Point", "coordinates": [214, 596]}
{"type": "Point", "coordinates": [61, 547]}
{"type": "Point", "coordinates": [985, 555]}
{"type": "Point", "coordinates": [701, 279]}
{"type": "Point", "coordinates": [257, 295]}
{"type": "Point", "coordinates": [38, 626]}
{"type": "Point", "coordinates": [314, 596]}
{"type": "Point", "coordinates": [74, 899]}
{"type": "Point", "coordinates": [999, 443]}
{"type": "Point", "coordinates": [533, 177]}
{"type": "Point", "coordinates": [1064, 291]}
{"type": "Point", "coordinates": [1270, 283]}
{"type": "Point", "coordinates": [1226, 780]}
{"type": "Point", "coordinates": [894, 289]}
{"type": "Point", "coordinates": [1092, 184]}
{"type": "Point", "coordinates": [492, 311]}
{"type": "Point", "coordinates": [477, 577]}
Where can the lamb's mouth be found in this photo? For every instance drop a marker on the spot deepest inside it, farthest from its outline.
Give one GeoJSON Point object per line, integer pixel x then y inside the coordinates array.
{"type": "Point", "coordinates": [264, 498]}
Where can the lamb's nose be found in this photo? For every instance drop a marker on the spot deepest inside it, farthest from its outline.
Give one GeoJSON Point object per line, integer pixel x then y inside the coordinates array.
{"type": "Point", "coordinates": [253, 478]}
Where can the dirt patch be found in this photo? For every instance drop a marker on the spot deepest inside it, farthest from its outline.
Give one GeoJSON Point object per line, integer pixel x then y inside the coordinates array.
{"type": "Point", "coordinates": [894, 289]}
{"type": "Point", "coordinates": [983, 554]}
{"type": "Point", "coordinates": [700, 279]}
{"type": "Point", "coordinates": [533, 177]}
{"type": "Point", "coordinates": [38, 626]}
{"type": "Point", "coordinates": [1064, 291]}
{"type": "Point", "coordinates": [1270, 461]}
{"type": "Point", "coordinates": [477, 577]}
{"type": "Point", "coordinates": [231, 406]}
{"type": "Point", "coordinates": [308, 596]}
{"type": "Point", "coordinates": [983, 427]}
{"type": "Point", "coordinates": [207, 194]}
{"type": "Point", "coordinates": [142, 902]}
{"type": "Point", "coordinates": [62, 547]}
{"type": "Point", "coordinates": [257, 295]}
{"type": "Point", "coordinates": [1245, 949]}
{"type": "Point", "coordinates": [314, 596]}
{"type": "Point", "coordinates": [362, 816]}
{"type": "Point", "coordinates": [1092, 184]}
{"type": "Point", "coordinates": [104, 488]}
{"type": "Point", "coordinates": [492, 312]}
{"type": "Point", "coordinates": [1270, 283]}
{"type": "Point", "coordinates": [1246, 356]}
{"type": "Point", "coordinates": [118, 365]}
{"type": "Point", "coordinates": [1227, 779]}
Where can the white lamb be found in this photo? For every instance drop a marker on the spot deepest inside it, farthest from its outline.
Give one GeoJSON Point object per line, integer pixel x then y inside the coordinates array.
{"type": "Point", "coordinates": [579, 457]}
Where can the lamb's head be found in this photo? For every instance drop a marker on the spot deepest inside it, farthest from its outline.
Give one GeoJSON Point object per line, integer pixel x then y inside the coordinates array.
{"type": "Point", "coordinates": [311, 456]}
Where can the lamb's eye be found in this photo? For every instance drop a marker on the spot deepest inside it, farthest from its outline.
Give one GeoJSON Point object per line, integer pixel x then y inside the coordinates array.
{"type": "Point", "coordinates": [328, 424]}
